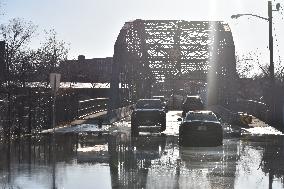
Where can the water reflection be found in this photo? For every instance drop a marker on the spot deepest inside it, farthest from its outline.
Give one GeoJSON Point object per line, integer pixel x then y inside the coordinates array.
{"type": "Point", "coordinates": [269, 166]}
{"type": "Point", "coordinates": [131, 158]}
{"type": "Point", "coordinates": [146, 161]}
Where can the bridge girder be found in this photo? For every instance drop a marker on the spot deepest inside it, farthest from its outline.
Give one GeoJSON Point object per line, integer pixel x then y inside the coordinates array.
{"type": "Point", "coordinates": [150, 51]}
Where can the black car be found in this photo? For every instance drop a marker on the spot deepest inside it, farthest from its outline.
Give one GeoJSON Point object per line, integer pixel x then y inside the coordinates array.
{"type": "Point", "coordinates": [148, 112]}
{"type": "Point", "coordinates": [192, 103]}
{"type": "Point", "coordinates": [200, 128]}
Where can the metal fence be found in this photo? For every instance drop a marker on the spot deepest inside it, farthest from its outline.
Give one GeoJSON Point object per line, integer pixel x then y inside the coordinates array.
{"type": "Point", "coordinates": [252, 107]}
{"type": "Point", "coordinates": [90, 106]}
{"type": "Point", "coordinates": [30, 111]}
{"type": "Point", "coordinates": [25, 112]}
{"type": "Point", "coordinates": [66, 107]}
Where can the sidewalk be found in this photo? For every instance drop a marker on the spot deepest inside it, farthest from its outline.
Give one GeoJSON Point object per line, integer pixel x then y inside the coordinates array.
{"type": "Point", "coordinates": [88, 123]}
{"type": "Point", "coordinates": [257, 127]}
{"type": "Point", "coordinates": [93, 122]}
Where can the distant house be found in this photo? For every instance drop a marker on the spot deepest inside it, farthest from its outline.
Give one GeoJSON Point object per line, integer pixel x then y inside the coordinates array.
{"type": "Point", "coordinates": [96, 70]}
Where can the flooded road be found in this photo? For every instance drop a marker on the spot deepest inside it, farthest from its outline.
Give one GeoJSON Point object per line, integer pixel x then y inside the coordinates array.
{"type": "Point", "coordinates": [151, 160]}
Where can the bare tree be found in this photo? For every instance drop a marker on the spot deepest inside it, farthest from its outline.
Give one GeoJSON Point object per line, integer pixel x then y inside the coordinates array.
{"type": "Point", "coordinates": [244, 66]}
{"type": "Point", "coordinates": [26, 67]}
{"type": "Point", "coordinates": [52, 51]}
{"type": "Point", "coordinates": [279, 72]}
{"type": "Point", "coordinates": [250, 65]}
{"type": "Point", "coordinates": [17, 35]}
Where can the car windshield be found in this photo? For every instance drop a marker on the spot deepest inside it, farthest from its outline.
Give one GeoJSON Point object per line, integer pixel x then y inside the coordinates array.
{"type": "Point", "coordinates": [201, 117]}
{"type": "Point", "coordinates": [149, 104]}
{"type": "Point", "coordinates": [193, 100]}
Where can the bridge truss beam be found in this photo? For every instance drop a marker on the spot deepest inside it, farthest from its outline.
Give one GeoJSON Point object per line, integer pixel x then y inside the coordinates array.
{"type": "Point", "coordinates": [148, 52]}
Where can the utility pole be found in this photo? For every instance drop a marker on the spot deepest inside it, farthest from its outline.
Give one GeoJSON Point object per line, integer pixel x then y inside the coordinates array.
{"type": "Point", "coordinates": [272, 103]}
{"type": "Point", "coordinates": [271, 66]}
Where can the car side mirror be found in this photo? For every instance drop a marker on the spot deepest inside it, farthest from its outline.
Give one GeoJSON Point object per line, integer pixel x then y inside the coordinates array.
{"type": "Point", "coordinates": [179, 119]}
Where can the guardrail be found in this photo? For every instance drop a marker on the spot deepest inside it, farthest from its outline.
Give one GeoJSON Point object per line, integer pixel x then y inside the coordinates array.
{"type": "Point", "coordinates": [117, 114]}
{"type": "Point", "coordinates": [255, 108]}
{"type": "Point", "coordinates": [31, 111]}
{"type": "Point", "coordinates": [66, 107]}
{"type": "Point", "coordinates": [90, 106]}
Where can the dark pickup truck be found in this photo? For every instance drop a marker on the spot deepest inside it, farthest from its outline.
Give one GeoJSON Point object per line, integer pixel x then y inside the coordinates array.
{"type": "Point", "coordinates": [148, 112]}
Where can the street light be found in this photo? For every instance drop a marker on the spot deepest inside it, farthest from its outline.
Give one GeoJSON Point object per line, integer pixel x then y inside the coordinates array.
{"type": "Point", "coordinates": [269, 19]}
{"type": "Point", "coordinates": [271, 65]}
{"type": "Point", "coordinates": [239, 15]}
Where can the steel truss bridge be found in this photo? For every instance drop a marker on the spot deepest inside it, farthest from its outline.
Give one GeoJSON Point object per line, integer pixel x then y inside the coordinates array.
{"type": "Point", "coordinates": [151, 53]}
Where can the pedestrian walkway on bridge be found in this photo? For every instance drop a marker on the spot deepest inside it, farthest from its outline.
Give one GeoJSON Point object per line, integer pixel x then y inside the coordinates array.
{"type": "Point", "coordinates": [91, 123]}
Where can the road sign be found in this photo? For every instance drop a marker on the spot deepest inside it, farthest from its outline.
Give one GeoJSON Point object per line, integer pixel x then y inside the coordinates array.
{"type": "Point", "coordinates": [54, 81]}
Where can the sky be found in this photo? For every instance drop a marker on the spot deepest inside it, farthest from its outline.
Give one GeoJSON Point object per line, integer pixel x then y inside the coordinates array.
{"type": "Point", "coordinates": [92, 26]}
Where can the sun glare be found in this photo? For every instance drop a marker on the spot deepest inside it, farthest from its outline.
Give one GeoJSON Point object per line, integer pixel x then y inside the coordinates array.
{"type": "Point", "coordinates": [211, 74]}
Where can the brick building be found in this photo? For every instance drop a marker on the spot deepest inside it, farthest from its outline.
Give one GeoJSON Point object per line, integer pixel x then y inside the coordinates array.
{"type": "Point", "coordinates": [96, 70]}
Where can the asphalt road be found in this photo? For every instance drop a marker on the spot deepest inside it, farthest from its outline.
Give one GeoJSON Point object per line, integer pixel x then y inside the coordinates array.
{"type": "Point", "coordinates": [250, 157]}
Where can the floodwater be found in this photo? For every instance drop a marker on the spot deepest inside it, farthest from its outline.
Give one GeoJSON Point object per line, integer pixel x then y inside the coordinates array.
{"type": "Point", "coordinates": [151, 160]}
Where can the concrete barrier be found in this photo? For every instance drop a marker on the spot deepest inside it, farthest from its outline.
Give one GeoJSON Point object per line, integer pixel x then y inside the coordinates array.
{"type": "Point", "coordinates": [231, 117]}
{"type": "Point", "coordinates": [255, 108]}
{"type": "Point", "coordinates": [225, 114]}
{"type": "Point", "coordinates": [117, 114]}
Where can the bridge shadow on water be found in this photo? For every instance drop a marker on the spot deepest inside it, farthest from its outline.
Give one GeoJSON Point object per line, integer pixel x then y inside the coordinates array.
{"type": "Point", "coordinates": [147, 161]}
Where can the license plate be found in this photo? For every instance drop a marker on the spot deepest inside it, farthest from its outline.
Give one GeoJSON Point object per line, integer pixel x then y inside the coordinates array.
{"type": "Point", "coordinates": [202, 128]}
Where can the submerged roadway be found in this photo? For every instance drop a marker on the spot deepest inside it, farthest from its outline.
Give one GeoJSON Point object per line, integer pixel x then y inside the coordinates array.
{"type": "Point", "coordinates": [250, 157]}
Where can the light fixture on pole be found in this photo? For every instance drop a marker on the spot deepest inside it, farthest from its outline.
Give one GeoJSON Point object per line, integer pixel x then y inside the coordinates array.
{"type": "Point", "coordinates": [269, 19]}
{"type": "Point", "coordinates": [271, 63]}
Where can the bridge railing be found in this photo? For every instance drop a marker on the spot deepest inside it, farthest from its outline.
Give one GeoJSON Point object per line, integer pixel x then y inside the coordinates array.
{"type": "Point", "coordinates": [90, 106]}
{"type": "Point", "coordinates": [66, 107]}
{"type": "Point", "coordinates": [255, 108]}
{"type": "Point", "coordinates": [31, 110]}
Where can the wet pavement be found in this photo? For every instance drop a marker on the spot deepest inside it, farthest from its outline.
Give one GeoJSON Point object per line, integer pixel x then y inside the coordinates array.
{"type": "Point", "coordinates": [249, 158]}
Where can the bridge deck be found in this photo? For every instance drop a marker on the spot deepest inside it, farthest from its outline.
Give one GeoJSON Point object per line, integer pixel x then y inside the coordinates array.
{"type": "Point", "coordinates": [90, 125]}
